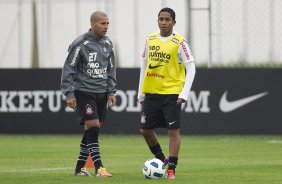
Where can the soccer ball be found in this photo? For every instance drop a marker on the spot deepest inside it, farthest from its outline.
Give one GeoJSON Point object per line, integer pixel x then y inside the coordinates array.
{"type": "Point", "coordinates": [153, 168]}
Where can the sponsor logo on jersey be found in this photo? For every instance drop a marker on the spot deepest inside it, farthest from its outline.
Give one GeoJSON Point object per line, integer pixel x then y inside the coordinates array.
{"type": "Point", "coordinates": [86, 42]}
{"type": "Point", "coordinates": [155, 75]}
{"type": "Point", "coordinates": [152, 67]}
{"type": "Point", "coordinates": [75, 56]}
{"type": "Point", "coordinates": [145, 50]}
{"type": "Point", "coordinates": [95, 71]}
{"type": "Point", "coordinates": [154, 48]}
{"type": "Point", "coordinates": [155, 55]}
{"type": "Point", "coordinates": [185, 51]}
{"type": "Point", "coordinates": [108, 42]}
{"type": "Point", "coordinates": [93, 65]}
{"type": "Point", "coordinates": [160, 55]}
{"type": "Point", "coordinates": [152, 37]}
{"type": "Point", "coordinates": [175, 40]}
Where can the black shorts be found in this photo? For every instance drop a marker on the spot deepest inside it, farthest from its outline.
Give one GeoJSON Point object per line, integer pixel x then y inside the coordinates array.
{"type": "Point", "coordinates": [160, 111]}
{"type": "Point", "coordinates": [91, 106]}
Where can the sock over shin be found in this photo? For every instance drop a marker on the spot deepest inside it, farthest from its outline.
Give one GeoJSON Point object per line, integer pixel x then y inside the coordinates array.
{"type": "Point", "coordinates": [94, 147]}
{"type": "Point", "coordinates": [157, 151]}
{"type": "Point", "coordinates": [172, 162]}
{"type": "Point", "coordinates": [83, 155]}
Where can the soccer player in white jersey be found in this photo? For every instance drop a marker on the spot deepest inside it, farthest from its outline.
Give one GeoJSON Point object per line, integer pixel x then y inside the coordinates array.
{"type": "Point", "coordinates": [166, 76]}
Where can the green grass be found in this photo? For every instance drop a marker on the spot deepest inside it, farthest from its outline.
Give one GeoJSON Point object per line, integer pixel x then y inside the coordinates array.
{"type": "Point", "coordinates": [203, 159]}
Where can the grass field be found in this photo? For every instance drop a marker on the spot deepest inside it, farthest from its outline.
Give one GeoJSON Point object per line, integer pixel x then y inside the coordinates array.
{"type": "Point", "coordinates": [203, 159]}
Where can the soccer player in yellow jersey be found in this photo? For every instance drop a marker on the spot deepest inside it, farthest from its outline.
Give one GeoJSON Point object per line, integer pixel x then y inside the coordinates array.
{"type": "Point", "coordinates": [166, 76]}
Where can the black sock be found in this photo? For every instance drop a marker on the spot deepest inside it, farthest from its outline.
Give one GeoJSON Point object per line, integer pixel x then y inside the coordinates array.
{"type": "Point", "coordinates": [83, 155]}
{"type": "Point", "coordinates": [172, 162]}
{"type": "Point", "coordinates": [94, 147]}
{"type": "Point", "coordinates": [157, 151]}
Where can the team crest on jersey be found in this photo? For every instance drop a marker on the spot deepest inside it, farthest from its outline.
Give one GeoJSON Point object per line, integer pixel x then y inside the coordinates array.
{"type": "Point", "coordinates": [104, 48]}
{"type": "Point", "coordinates": [152, 37]}
{"type": "Point", "coordinates": [88, 109]}
{"type": "Point", "coordinates": [175, 40]}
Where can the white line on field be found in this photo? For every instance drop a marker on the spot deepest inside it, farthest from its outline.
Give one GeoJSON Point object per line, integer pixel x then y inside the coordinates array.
{"type": "Point", "coordinates": [274, 141]}
{"type": "Point", "coordinates": [35, 170]}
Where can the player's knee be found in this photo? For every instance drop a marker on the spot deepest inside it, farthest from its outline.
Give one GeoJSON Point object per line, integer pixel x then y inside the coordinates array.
{"type": "Point", "coordinates": [175, 134]}
{"type": "Point", "coordinates": [142, 131]}
{"type": "Point", "coordinates": [146, 132]}
{"type": "Point", "coordinates": [92, 123]}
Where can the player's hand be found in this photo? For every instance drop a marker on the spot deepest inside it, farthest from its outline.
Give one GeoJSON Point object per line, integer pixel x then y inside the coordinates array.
{"type": "Point", "coordinates": [180, 101]}
{"type": "Point", "coordinates": [71, 103]}
{"type": "Point", "coordinates": [142, 103]}
{"type": "Point", "coordinates": [112, 101]}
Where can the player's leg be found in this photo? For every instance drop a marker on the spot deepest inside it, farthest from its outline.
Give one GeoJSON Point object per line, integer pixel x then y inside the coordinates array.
{"type": "Point", "coordinates": [82, 102]}
{"type": "Point", "coordinates": [174, 142]}
{"type": "Point", "coordinates": [152, 118]}
{"type": "Point", "coordinates": [153, 144]}
{"type": "Point", "coordinates": [174, 147]}
{"type": "Point", "coordinates": [92, 128]}
{"type": "Point", "coordinates": [82, 158]}
{"type": "Point", "coordinates": [87, 107]}
{"type": "Point", "coordinates": [101, 106]}
{"type": "Point", "coordinates": [171, 113]}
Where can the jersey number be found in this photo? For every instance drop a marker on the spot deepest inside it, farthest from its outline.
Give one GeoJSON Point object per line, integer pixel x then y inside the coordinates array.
{"type": "Point", "coordinates": [92, 56]}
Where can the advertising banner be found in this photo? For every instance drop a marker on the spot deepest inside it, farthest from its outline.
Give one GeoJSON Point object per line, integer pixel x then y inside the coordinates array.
{"type": "Point", "coordinates": [222, 101]}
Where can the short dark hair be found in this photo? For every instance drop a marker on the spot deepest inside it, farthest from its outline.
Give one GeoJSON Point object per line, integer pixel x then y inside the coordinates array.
{"type": "Point", "coordinates": [169, 10]}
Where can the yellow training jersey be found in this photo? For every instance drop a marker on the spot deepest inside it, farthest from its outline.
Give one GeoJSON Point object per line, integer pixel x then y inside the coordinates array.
{"type": "Point", "coordinates": [164, 73]}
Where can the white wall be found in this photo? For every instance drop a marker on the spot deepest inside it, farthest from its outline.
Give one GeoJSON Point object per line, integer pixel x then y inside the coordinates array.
{"type": "Point", "coordinates": [60, 21]}
{"type": "Point", "coordinates": [241, 30]}
{"type": "Point", "coordinates": [15, 34]}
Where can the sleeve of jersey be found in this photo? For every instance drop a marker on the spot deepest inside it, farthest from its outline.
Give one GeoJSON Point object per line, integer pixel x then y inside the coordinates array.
{"type": "Point", "coordinates": [140, 95]}
{"type": "Point", "coordinates": [111, 81]}
{"type": "Point", "coordinates": [188, 60]}
{"type": "Point", "coordinates": [185, 52]}
{"type": "Point", "coordinates": [69, 72]}
{"type": "Point", "coordinates": [190, 74]}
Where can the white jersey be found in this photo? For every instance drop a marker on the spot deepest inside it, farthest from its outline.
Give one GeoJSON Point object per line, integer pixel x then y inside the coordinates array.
{"type": "Point", "coordinates": [185, 56]}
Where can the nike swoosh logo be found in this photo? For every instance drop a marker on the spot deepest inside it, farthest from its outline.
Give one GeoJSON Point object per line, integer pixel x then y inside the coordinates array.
{"type": "Point", "coordinates": [227, 106]}
{"type": "Point", "coordinates": [170, 123]}
{"type": "Point", "coordinates": [152, 67]}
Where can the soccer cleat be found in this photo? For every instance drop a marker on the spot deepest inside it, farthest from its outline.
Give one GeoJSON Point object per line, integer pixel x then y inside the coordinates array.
{"type": "Point", "coordinates": [82, 172]}
{"type": "Point", "coordinates": [165, 161]}
{"type": "Point", "coordinates": [170, 174]}
{"type": "Point", "coordinates": [101, 172]}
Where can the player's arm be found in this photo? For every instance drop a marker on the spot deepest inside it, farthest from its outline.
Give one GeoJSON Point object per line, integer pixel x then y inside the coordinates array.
{"type": "Point", "coordinates": [140, 95]}
{"type": "Point", "coordinates": [186, 56]}
{"type": "Point", "coordinates": [111, 80]}
{"type": "Point", "coordinates": [68, 75]}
